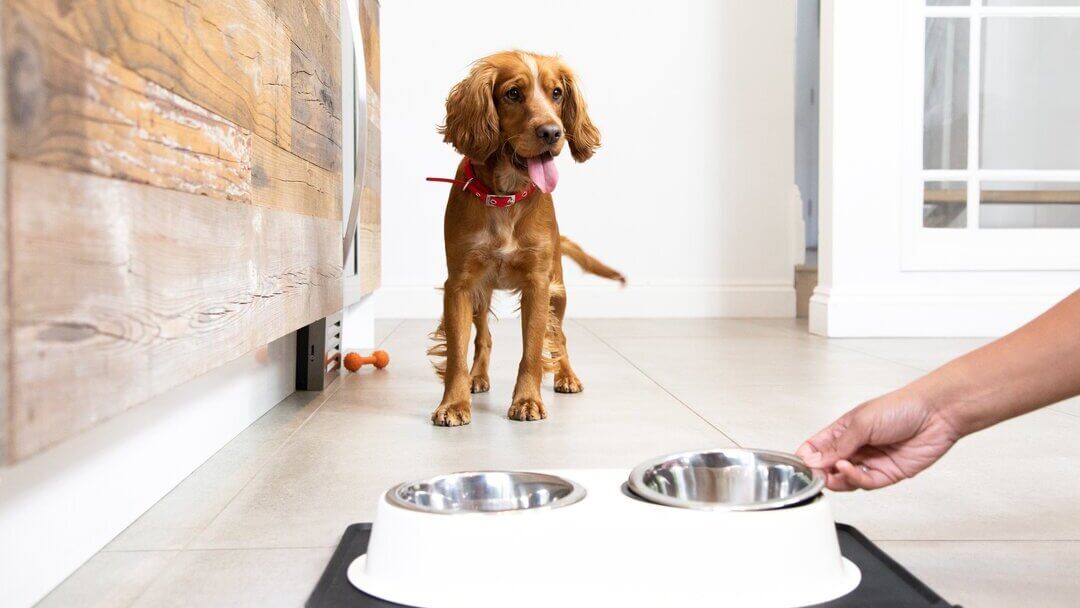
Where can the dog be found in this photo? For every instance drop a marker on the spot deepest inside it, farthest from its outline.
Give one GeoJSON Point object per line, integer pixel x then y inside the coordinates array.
{"type": "Point", "coordinates": [509, 118]}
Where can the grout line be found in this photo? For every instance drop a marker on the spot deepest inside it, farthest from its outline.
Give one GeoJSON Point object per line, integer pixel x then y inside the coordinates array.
{"type": "Point", "coordinates": [390, 333]}
{"type": "Point", "coordinates": [1051, 408]}
{"type": "Point", "coordinates": [262, 466]}
{"type": "Point", "coordinates": [879, 357]}
{"type": "Point", "coordinates": [662, 387]}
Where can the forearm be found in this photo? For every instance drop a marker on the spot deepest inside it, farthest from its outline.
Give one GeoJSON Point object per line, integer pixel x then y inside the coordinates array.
{"type": "Point", "coordinates": [1032, 367]}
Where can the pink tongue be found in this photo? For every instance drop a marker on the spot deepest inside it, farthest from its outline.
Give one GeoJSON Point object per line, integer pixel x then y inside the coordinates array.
{"type": "Point", "coordinates": [543, 172]}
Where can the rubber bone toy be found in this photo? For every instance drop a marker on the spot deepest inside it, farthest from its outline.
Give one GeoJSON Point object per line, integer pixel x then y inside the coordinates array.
{"type": "Point", "coordinates": [379, 359]}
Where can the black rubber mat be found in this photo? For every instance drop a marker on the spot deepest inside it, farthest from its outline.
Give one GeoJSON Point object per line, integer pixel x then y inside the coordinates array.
{"type": "Point", "coordinates": [885, 583]}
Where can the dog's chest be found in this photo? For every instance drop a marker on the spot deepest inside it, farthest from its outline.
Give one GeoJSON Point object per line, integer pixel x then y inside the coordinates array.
{"type": "Point", "coordinates": [500, 246]}
{"type": "Point", "coordinates": [497, 240]}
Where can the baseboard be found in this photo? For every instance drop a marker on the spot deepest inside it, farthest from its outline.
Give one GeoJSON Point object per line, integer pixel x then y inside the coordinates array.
{"type": "Point", "coordinates": [916, 315]}
{"type": "Point", "coordinates": [59, 507]}
{"type": "Point", "coordinates": [611, 301]}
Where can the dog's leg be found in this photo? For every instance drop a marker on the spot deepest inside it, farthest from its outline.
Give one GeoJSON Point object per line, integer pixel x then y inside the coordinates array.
{"type": "Point", "coordinates": [457, 321]}
{"type": "Point", "coordinates": [566, 381]}
{"type": "Point", "coordinates": [482, 355]}
{"type": "Point", "coordinates": [535, 305]}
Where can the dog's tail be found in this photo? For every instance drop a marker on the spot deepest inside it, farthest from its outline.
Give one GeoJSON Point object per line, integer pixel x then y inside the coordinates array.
{"type": "Point", "coordinates": [588, 263]}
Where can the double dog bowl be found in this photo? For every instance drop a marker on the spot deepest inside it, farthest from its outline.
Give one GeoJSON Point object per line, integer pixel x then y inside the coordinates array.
{"type": "Point", "coordinates": [726, 527]}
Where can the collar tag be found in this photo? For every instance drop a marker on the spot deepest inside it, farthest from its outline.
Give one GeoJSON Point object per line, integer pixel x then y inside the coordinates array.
{"type": "Point", "coordinates": [499, 200]}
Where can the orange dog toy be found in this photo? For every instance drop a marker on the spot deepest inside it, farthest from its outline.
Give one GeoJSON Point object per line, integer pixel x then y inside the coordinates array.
{"type": "Point", "coordinates": [379, 359]}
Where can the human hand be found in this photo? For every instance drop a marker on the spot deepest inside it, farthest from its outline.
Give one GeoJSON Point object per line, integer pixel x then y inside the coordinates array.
{"type": "Point", "coordinates": [879, 443]}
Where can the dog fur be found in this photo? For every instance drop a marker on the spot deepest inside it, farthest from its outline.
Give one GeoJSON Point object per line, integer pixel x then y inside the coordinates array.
{"type": "Point", "coordinates": [493, 118]}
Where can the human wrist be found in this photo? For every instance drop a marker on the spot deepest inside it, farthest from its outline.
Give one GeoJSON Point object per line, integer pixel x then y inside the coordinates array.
{"type": "Point", "coordinates": [944, 396]}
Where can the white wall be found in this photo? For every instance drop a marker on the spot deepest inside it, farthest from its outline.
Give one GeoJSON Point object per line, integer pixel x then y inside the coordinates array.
{"type": "Point", "coordinates": [862, 290]}
{"type": "Point", "coordinates": [61, 506]}
{"type": "Point", "coordinates": [690, 195]}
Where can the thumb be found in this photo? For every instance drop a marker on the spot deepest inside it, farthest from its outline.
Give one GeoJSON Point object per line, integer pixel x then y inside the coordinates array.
{"type": "Point", "coordinates": [849, 434]}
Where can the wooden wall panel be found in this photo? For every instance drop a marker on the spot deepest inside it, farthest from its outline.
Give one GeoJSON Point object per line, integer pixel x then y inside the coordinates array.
{"type": "Point", "coordinates": [76, 109]}
{"type": "Point", "coordinates": [173, 197]}
{"type": "Point", "coordinates": [162, 286]}
{"type": "Point", "coordinates": [370, 216]}
{"type": "Point", "coordinates": [284, 181]}
{"type": "Point", "coordinates": [232, 57]}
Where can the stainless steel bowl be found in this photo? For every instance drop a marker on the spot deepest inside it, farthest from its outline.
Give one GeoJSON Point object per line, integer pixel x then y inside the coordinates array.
{"type": "Point", "coordinates": [726, 480]}
{"type": "Point", "coordinates": [486, 492]}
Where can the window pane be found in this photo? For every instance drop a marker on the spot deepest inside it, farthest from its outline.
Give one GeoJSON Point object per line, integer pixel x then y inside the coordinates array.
{"type": "Point", "coordinates": [945, 205]}
{"type": "Point", "coordinates": [1030, 93]}
{"type": "Point", "coordinates": [945, 106]}
{"type": "Point", "coordinates": [1029, 205]}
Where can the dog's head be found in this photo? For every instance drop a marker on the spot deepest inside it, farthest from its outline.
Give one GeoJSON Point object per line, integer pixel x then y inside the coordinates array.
{"type": "Point", "coordinates": [521, 107]}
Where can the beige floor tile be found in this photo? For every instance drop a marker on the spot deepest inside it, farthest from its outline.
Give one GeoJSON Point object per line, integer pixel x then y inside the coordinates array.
{"type": "Point", "coordinates": [384, 328]}
{"type": "Point", "coordinates": [790, 326]}
{"type": "Point", "coordinates": [296, 480]}
{"type": "Point", "coordinates": [595, 362]}
{"type": "Point", "coordinates": [360, 444]}
{"type": "Point", "coordinates": [995, 574]}
{"type": "Point", "coordinates": [773, 417]}
{"type": "Point", "coordinates": [184, 512]}
{"type": "Point", "coordinates": [757, 361]}
{"type": "Point", "coordinates": [1015, 481]}
{"type": "Point", "coordinates": [926, 354]}
{"type": "Point", "coordinates": [1069, 406]}
{"type": "Point", "coordinates": [679, 328]}
{"type": "Point", "coordinates": [261, 578]}
{"type": "Point", "coordinates": [109, 580]}
{"type": "Point", "coordinates": [979, 490]}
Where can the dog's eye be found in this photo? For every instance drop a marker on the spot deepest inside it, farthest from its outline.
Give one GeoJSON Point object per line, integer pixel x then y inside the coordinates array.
{"type": "Point", "coordinates": [514, 94]}
{"type": "Point", "coordinates": [556, 94]}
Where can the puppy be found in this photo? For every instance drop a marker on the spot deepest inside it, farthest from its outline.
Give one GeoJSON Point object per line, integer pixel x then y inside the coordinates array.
{"type": "Point", "coordinates": [510, 118]}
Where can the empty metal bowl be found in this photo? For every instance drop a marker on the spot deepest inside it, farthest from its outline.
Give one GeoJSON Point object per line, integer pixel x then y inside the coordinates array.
{"type": "Point", "coordinates": [726, 480]}
{"type": "Point", "coordinates": [486, 492]}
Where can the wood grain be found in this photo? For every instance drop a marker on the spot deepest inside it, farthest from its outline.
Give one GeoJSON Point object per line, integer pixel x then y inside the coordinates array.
{"type": "Point", "coordinates": [315, 79]}
{"type": "Point", "coordinates": [316, 115]}
{"type": "Point", "coordinates": [370, 216]}
{"type": "Point", "coordinates": [233, 57]}
{"type": "Point", "coordinates": [78, 110]}
{"type": "Point", "coordinates": [156, 288]}
{"type": "Point", "coordinates": [281, 180]}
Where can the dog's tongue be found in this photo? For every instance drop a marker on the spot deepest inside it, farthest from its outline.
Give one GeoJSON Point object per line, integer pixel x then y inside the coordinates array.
{"type": "Point", "coordinates": [543, 172]}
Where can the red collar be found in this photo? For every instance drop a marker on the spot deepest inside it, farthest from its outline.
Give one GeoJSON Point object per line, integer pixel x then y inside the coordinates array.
{"type": "Point", "coordinates": [474, 185]}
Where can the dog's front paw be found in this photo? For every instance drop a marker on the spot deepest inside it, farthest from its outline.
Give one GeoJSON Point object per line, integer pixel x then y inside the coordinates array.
{"type": "Point", "coordinates": [568, 383]}
{"type": "Point", "coordinates": [527, 409]}
{"type": "Point", "coordinates": [480, 384]}
{"type": "Point", "coordinates": [452, 414]}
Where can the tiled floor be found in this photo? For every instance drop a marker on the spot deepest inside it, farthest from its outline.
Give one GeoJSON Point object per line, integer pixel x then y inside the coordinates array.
{"type": "Point", "coordinates": [996, 523]}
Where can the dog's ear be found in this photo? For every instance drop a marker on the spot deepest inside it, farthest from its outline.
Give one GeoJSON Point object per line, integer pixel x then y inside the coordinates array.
{"type": "Point", "coordinates": [581, 133]}
{"type": "Point", "coordinates": [472, 124]}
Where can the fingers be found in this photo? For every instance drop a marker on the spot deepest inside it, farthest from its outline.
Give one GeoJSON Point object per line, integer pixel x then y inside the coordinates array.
{"type": "Point", "coordinates": [849, 476]}
{"type": "Point", "coordinates": [838, 441]}
{"type": "Point", "coordinates": [809, 454]}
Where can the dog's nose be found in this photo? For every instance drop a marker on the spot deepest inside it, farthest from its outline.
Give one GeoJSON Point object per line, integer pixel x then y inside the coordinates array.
{"type": "Point", "coordinates": [549, 133]}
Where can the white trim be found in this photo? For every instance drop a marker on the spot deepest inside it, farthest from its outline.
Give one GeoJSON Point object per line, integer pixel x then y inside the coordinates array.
{"type": "Point", "coordinates": [358, 324]}
{"type": "Point", "coordinates": [973, 248]}
{"type": "Point", "coordinates": [846, 314]}
{"type": "Point", "coordinates": [974, 118]}
{"type": "Point", "coordinates": [1012, 175]}
{"type": "Point", "coordinates": [1000, 11]}
{"type": "Point", "coordinates": [59, 507]}
{"type": "Point", "coordinates": [776, 300]}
